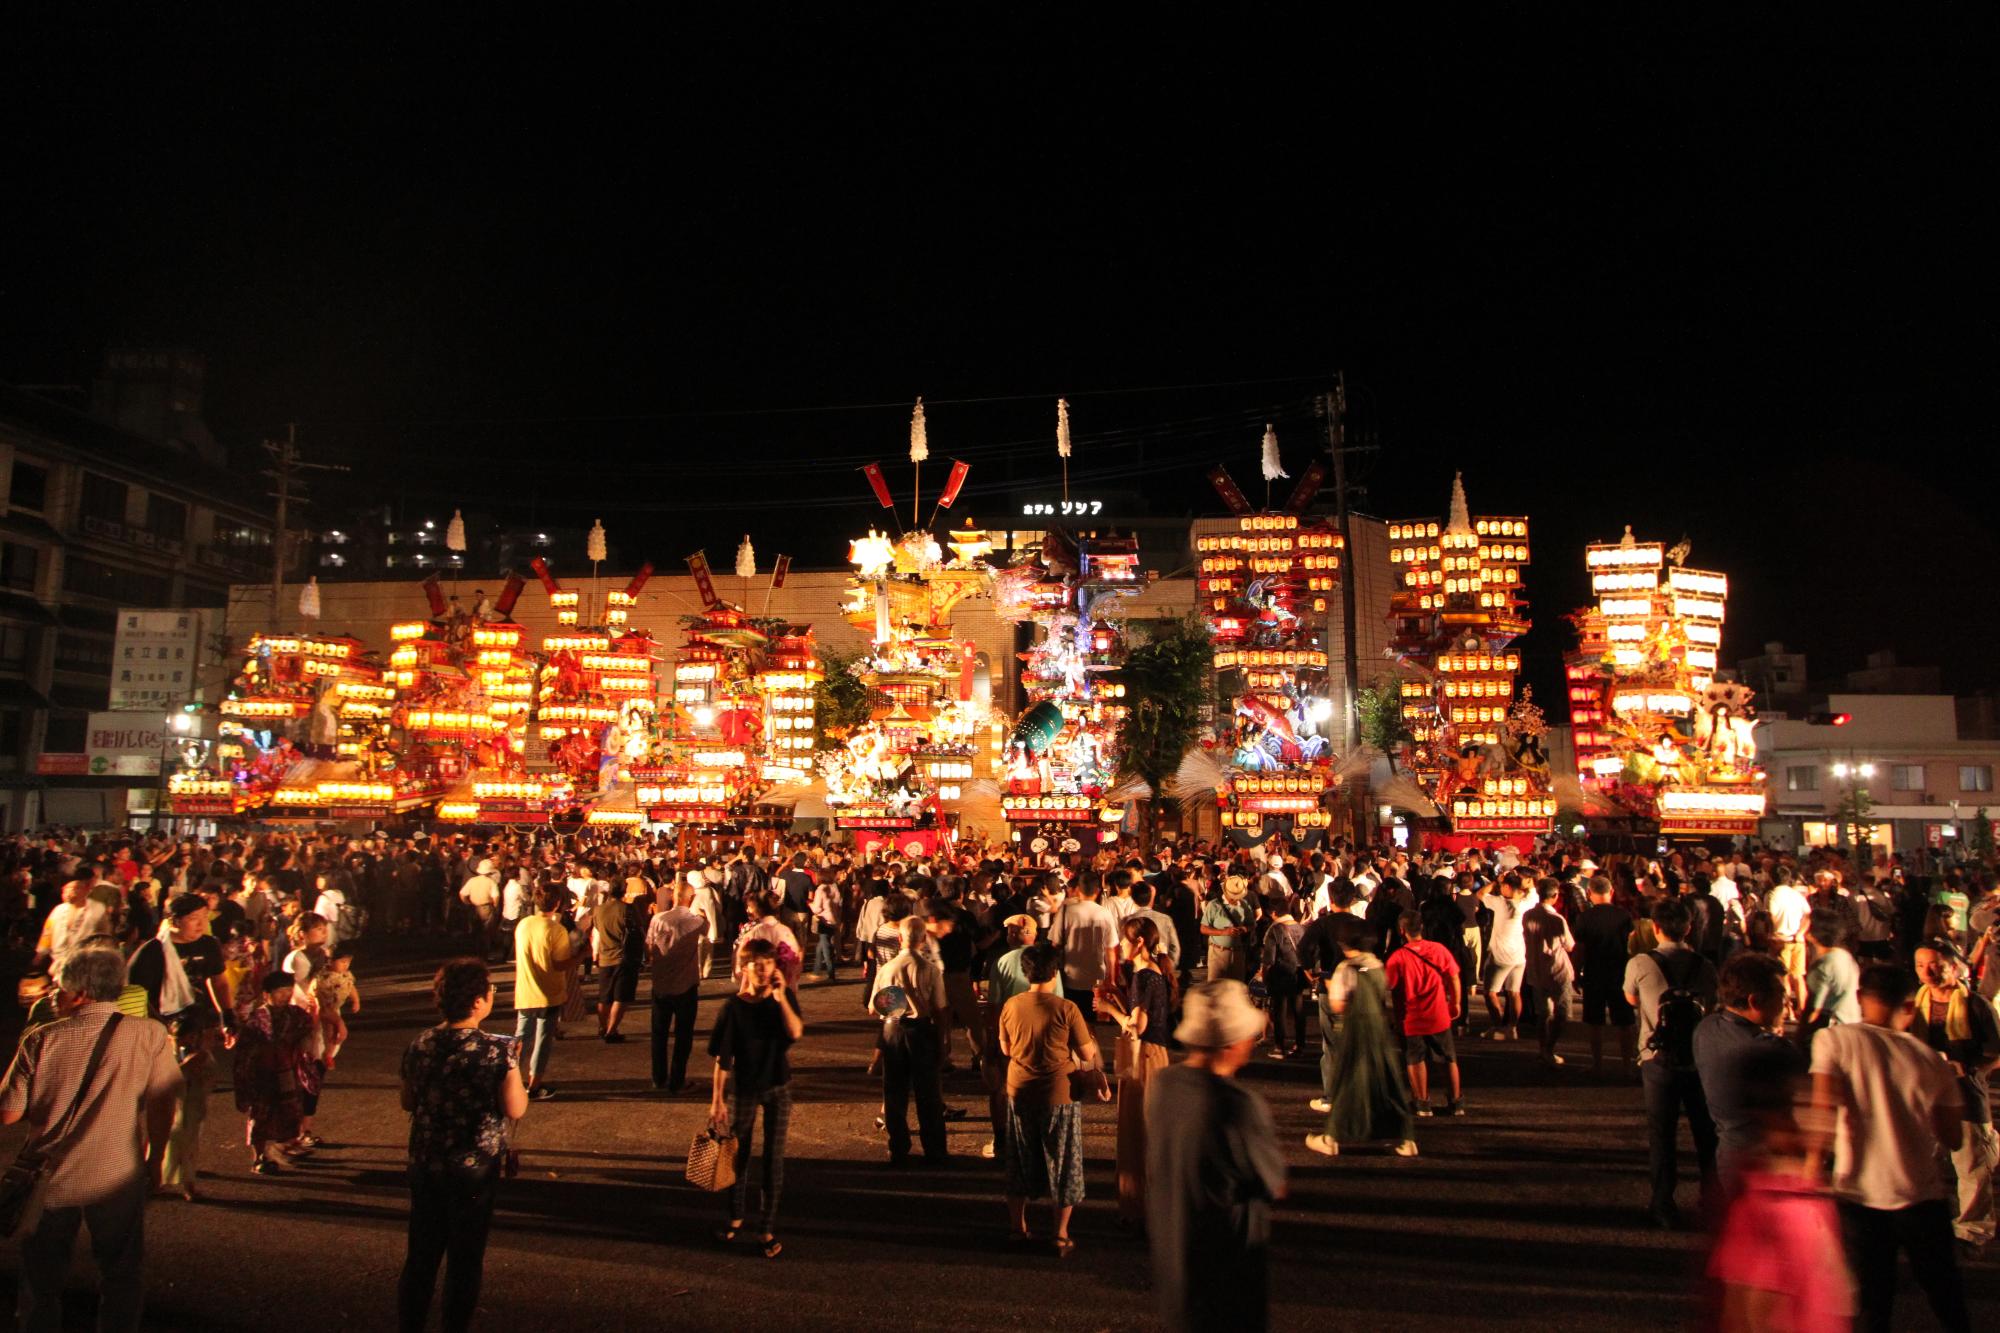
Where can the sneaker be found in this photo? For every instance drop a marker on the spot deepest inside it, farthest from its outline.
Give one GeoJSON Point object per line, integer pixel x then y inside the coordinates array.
{"type": "Point", "coordinates": [1321, 1104]}
{"type": "Point", "coordinates": [544, 1093]}
{"type": "Point", "coordinates": [1424, 1110]}
{"type": "Point", "coordinates": [1407, 1148]}
{"type": "Point", "coordinates": [1323, 1145]}
{"type": "Point", "coordinates": [1277, 1054]}
{"type": "Point", "coordinates": [1552, 1060]}
{"type": "Point", "coordinates": [1454, 1108]}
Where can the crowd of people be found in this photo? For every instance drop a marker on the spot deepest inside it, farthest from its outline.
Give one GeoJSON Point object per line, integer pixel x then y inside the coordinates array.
{"type": "Point", "coordinates": [1822, 1027]}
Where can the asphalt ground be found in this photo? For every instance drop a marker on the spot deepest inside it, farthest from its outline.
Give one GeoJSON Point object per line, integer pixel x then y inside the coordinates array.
{"type": "Point", "coordinates": [1526, 1213]}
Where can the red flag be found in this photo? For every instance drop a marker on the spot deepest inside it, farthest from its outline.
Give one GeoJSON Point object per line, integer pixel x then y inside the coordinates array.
{"type": "Point", "coordinates": [779, 570]}
{"type": "Point", "coordinates": [541, 568]}
{"type": "Point", "coordinates": [639, 579]}
{"type": "Point", "coordinates": [510, 594]}
{"type": "Point", "coordinates": [434, 592]}
{"type": "Point", "coordinates": [958, 471]}
{"type": "Point", "coordinates": [874, 474]}
{"type": "Point", "coordinates": [698, 566]}
{"type": "Point", "coordinates": [968, 658]}
{"type": "Point", "coordinates": [1225, 486]}
{"type": "Point", "coordinates": [1307, 488]}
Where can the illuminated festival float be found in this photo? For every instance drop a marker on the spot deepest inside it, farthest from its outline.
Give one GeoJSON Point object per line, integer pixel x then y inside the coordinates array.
{"type": "Point", "coordinates": [595, 702]}
{"type": "Point", "coordinates": [308, 731]}
{"type": "Point", "coordinates": [894, 778]}
{"type": "Point", "coordinates": [1476, 749]}
{"type": "Point", "coordinates": [740, 723]}
{"type": "Point", "coordinates": [1656, 732]}
{"type": "Point", "coordinates": [1061, 757]}
{"type": "Point", "coordinates": [1264, 592]}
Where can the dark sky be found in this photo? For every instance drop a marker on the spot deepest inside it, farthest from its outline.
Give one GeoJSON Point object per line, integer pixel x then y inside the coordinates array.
{"type": "Point", "coordinates": [1731, 281]}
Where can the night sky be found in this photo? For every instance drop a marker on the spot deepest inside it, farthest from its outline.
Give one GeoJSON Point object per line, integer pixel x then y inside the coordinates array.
{"type": "Point", "coordinates": [1724, 281]}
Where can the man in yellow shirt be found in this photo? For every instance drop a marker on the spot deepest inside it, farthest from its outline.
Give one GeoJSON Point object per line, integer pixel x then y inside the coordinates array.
{"type": "Point", "coordinates": [543, 961]}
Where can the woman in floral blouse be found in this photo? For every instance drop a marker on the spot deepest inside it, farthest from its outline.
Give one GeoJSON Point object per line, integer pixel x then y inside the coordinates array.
{"type": "Point", "coordinates": [461, 1087]}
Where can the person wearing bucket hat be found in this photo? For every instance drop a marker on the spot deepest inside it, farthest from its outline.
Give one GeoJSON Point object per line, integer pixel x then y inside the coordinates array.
{"type": "Point", "coordinates": [1213, 1169]}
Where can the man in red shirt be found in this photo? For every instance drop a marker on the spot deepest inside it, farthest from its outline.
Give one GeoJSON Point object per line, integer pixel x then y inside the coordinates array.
{"type": "Point", "coordinates": [1423, 977]}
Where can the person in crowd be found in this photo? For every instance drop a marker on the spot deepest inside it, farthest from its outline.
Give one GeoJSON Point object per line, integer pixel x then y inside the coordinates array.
{"type": "Point", "coordinates": [1006, 977]}
{"type": "Point", "coordinates": [1789, 910]}
{"type": "Point", "coordinates": [619, 932]}
{"type": "Point", "coordinates": [1959, 1024]}
{"type": "Point", "coordinates": [1546, 944]}
{"type": "Point", "coordinates": [1833, 977]}
{"type": "Point", "coordinates": [910, 1049]}
{"type": "Point", "coordinates": [481, 894]}
{"type": "Point", "coordinates": [1733, 1047]}
{"type": "Point", "coordinates": [1891, 1108]}
{"type": "Point", "coordinates": [1213, 1170]}
{"type": "Point", "coordinates": [1424, 979]}
{"type": "Point", "coordinates": [1778, 1261]}
{"type": "Point", "coordinates": [1283, 979]}
{"type": "Point", "coordinates": [1371, 1100]}
{"type": "Point", "coordinates": [674, 940]}
{"type": "Point", "coordinates": [825, 908]}
{"type": "Point", "coordinates": [98, 1090]}
{"type": "Point", "coordinates": [751, 1044]}
{"type": "Point", "coordinates": [1045, 1039]}
{"type": "Point", "coordinates": [1143, 1008]}
{"type": "Point", "coordinates": [1506, 957]}
{"type": "Point", "coordinates": [462, 1090]}
{"type": "Point", "coordinates": [543, 966]}
{"type": "Point", "coordinates": [1601, 933]}
{"type": "Point", "coordinates": [271, 1043]}
{"type": "Point", "coordinates": [1087, 934]}
{"type": "Point", "coordinates": [1229, 925]}
{"type": "Point", "coordinates": [181, 972]}
{"type": "Point", "coordinates": [1672, 988]}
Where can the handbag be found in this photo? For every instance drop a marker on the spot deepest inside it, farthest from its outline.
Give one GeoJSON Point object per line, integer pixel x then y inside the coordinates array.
{"type": "Point", "coordinates": [711, 1160]}
{"type": "Point", "coordinates": [26, 1182]}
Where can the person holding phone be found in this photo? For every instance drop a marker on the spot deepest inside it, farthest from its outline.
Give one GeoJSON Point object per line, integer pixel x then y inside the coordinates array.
{"type": "Point", "coordinates": [752, 1036]}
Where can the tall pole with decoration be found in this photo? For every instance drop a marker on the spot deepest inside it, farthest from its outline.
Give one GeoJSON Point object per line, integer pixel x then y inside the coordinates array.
{"type": "Point", "coordinates": [1062, 442]}
{"type": "Point", "coordinates": [920, 449]}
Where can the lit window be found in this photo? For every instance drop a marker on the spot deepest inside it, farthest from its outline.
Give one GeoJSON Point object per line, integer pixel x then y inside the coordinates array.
{"type": "Point", "coordinates": [1906, 777]}
{"type": "Point", "coordinates": [1975, 777]}
{"type": "Point", "coordinates": [1802, 778]}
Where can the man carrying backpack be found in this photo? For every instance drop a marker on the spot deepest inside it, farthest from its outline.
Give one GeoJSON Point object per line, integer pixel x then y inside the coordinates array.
{"type": "Point", "coordinates": [1672, 988]}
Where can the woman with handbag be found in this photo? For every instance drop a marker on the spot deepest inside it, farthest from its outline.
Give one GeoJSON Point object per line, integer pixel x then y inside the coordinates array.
{"type": "Point", "coordinates": [752, 1037]}
{"type": "Point", "coordinates": [1145, 1018]}
{"type": "Point", "coordinates": [1046, 1039]}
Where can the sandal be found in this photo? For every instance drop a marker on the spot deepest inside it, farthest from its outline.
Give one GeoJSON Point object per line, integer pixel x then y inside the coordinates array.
{"type": "Point", "coordinates": [1020, 1237]}
{"type": "Point", "coordinates": [1065, 1247]}
{"type": "Point", "coordinates": [727, 1235]}
{"type": "Point", "coordinates": [266, 1167]}
{"type": "Point", "coordinates": [772, 1247]}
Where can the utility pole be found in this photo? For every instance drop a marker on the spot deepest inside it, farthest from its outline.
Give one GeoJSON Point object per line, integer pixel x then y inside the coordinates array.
{"type": "Point", "coordinates": [1334, 406]}
{"type": "Point", "coordinates": [285, 454]}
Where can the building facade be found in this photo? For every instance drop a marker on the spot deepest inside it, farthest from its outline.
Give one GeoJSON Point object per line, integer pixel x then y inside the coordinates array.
{"type": "Point", "coordinates": [125, 506]}
{"type": "Point", "coordinates": [1923, 781]}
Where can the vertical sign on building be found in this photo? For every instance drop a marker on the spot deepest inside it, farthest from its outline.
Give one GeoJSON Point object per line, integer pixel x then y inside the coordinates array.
{"type": "Point", "coordinates": [156, 660]}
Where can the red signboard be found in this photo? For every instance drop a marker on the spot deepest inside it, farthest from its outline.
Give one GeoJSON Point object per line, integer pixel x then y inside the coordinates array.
{"type": "Point", "coordinates": [204, 805]}
{"type": "Point", "coordinates": [1049, 816]}
{"type": "Point", "coordinates": [62, 765]}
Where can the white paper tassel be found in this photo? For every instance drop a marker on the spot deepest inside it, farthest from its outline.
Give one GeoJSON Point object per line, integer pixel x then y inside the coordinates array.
{"type": "Point", "coordinates": [920, 445]}
{"type": "Point", "coordinates": [594, 548]}
{"type": "Point", "coordinates": [746, 559]}
{"type": "Point", "coordinates": [1273, 469]}
{"type": "Point", "coordinates": [1062, 427]}
{"type": "Point", "coordinates": [309, 599]}
{"type": "Point", "coordinates": [1460, 519]}
{"type": "Point", "coordinates": [454, 533]}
